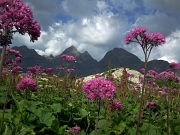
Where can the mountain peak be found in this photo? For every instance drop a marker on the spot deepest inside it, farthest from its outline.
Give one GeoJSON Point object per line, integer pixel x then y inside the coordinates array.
{"type": "Point", "coordinates": [71, 51]}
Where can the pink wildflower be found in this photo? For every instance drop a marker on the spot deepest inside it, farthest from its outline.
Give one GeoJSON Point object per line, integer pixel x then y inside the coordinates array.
{"type": "Point", "coordinates": [115, 105]}
{"type": "Point", "coordinates": [144, 38]}
{"type": "Point", "coordinates": [99, 89]}
{"type": "Point", "coordinates": [35, 69]}
{"type": "Point", "coordinates": [48, 70]}
{"type": "Point", "coordinates": [15, 69]}
{"type": "Point", "coordinates": [167, 75]}
{"type": "Point", "coordinates": [17, 17]}
{"type": "Point", "coordinates": [27, 84]}
{"type": "Point", "coordinates": [70, 70]}
{"type": "Point", "coordinates": [142, 70]}
{"type": "Point", "coordinates": [151, 105]}
{"type": "Point", "coordinates": [68, 58]}
{"type": "Point", "coordinates": [174, 65]}
{"type": "Point", "coordinates": [74, 130]}
{"type": "Point", "coordinates": [134, 33]}
{"type": "Point", "coordinates": [18, 59]}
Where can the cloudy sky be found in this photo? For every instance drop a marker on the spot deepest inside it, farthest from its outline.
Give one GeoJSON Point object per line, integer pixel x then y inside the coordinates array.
{"type": "Point", "coordinates": [98, 26]}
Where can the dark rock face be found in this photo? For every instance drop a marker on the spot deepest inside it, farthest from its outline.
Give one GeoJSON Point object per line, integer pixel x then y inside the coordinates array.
{"type": "Point", "coordinates": [157, 65]}
{"type": "Point", "coordinates": [85, 64]}
{"type": "Point", "coordinates": [31, 58]}
{"type": "Point", "coordinates": [119, 58]}
{"type": "Point", "coordinates": [71, 51]}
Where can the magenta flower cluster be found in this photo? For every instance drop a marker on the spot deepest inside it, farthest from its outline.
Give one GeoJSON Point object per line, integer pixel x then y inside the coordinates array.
{"type": "Point", "coordinates": [74, 130]}
{"type": "Point", "coordinates": [151, 105]}
{"type": "Point", "coordinates": [99, 89]}
{"type": "Point", "coordinates": [139, 35]}
{"type": "Point", "coordinates": [142, 70]}
{"type": "Point", "coordinates": [12, 59]}
{"type": "Point", "coordinates": [152, 73]}
{"type": "Point", "coordinates": [35, 69]}
{"type": "Point", "coordinates": [27, 84]}
{"type": "Point", "coordinates": [48, 70]}
{"type": "Point", "coordinates": [115, 105]}
{"type": "Point", "coordinates": [68, 58]}
{"type": "Point", "coordinates": [134, 33]}
{"type": "Point", "coordinates": [69, 70]}
{"type": "Point", "coordinates": [60, 68]}
{"type": "Point", "coordinates": [167, 75]}
{"type": "Point", "coordinates": [174, 66]}
{"type": "Point", "coordinates": [16, 17]}
{"type": "Point", "coordinates": [10, 54]}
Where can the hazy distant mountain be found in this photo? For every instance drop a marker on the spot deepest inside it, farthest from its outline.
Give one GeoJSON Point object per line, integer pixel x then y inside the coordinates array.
{"type": "Point", "coordinates": [85, 64]}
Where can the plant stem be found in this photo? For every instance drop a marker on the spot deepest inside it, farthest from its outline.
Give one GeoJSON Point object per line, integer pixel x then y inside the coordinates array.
{"type": "Point", "coordinates": [142, 95]}
{"type": "Point", "coordinates": [99, 107]}
{"type": "Point", "coordinates": [4, 108]}
{"type": "Point", "coordinates": [1, 61]}
{"type": "Point", "coordinates": [168, 113]}
{"type": "Point", "coordinates": [5, 32]}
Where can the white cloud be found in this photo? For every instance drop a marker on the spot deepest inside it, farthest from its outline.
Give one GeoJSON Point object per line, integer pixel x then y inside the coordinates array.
{"type": "Point", "coordinates": [170, 50]}
{"type": "Point", "coordinates": [44, 11]}
{"type": "Point", "coordinates": [158, 22]}
{"type": "Point", "coordinates": [25, 40]}
{"type": "Point", "coordinates": [128, 5]}
{"type": "Point", "coordinates": [102, 5]}
{"type": "Point", "coordinates": [79, 8]}
{"type": "Point", "coordinates": [98, 26]}
{"type": "Point", "coordinates": [164, 5]}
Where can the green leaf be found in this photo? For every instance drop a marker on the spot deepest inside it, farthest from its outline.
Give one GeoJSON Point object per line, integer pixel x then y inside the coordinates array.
{"type": "Point", "coordinates": [28, 117]}
{"type": "Point", "coordinates": [30, 106]}
{"type": "Point", "coordinates": [144, 127]}
{"type": "Point", "coordinates": [98, 132]}
{"type": "Point", "coordinates": [62, 129]}
{"type": "Point", "coordinates": [70, 105]}
{"type": "Point", "coordinates": [82, 132]}
{"type": "Point", "coordinates": [56, 107]}
{"type": "Point", "coordinates": [7, 130]}
{"type": "Point", "coordinates": [7, 115]}
{"type": "Point", "coordinates": [3, 87]}
{"type": "Point", "coordinates": [26, 131]}
{"type": "Point", "coordinates": [58, 99]}
{"type": "Point", "coordinates": [131, 130]}
{"type": "Point", "coordinates": [102, 124]}
{"type": "Point", "coordinates": [55, 125]}
{"type": "Point", "coordinates": [83, 112]}
{"type": "Point", "coordinates": [16, 102]}
{"type": "Point", "coordinates": [2, 100]}
{"type": "Point", "coordinates": [45, 116]}
{"type": "Point", "coordinates": [176, 122]}
{"type": "Point", "coordinates": [120, 127]}
{"type": "Point", "coordinates": [154, 130]}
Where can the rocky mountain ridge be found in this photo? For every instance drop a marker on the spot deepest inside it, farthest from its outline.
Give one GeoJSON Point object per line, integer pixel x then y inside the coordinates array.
{"type": "Point", "coordinates": [85, 64]}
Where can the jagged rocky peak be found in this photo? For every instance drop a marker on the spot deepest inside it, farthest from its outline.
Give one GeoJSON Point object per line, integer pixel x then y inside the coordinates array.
{"type": "Point", "coordinates": [25, 51]}
{"type": "Point", "coordinates": [71, 51]}
{"type": "Point", "coordinates": [51, 56]}
{"type": "Point", "coordinates": [86, 54]}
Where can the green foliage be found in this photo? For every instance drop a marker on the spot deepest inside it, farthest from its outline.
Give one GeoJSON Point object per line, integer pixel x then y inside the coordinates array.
{"type": "Point", "coordinates": [60, 105]}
